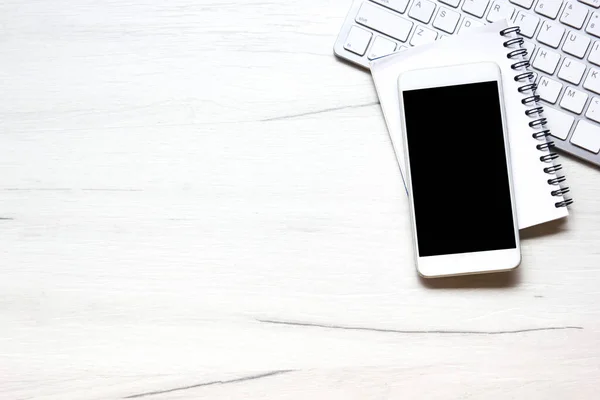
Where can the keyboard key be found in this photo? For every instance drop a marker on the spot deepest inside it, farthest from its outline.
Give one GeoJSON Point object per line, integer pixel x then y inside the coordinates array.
{"type": "Point", "coordinates": [546, 61]}
{"type": "Point", "coordinates": [574, 15]}
{"type": "Point", "coordinates": [559, 122]}
{"type": "Point", "coordinates": [576, 44]}
{"type": "Point", "coordinates": [475, 7]}
{"type": "Point", "coordinates": [396, 5]}
{"type": "Point", "coordinates": [548, 89]}
{"type": "Point", "coordinates": [357, 41]}
{"type": "Point", "coordinates": [549, 8]}
{"type": "Point", "coordinates": [523, 3]}
{"type": "Point", "coordinates": [593, 26]}
{"type": "Point", "coordinates": [587, 136]}
{"type": "Point", "coordinates": [593, 111]}
{"type": "Point", "coordinates": [381, 47]}
{"type": "Point", "coordinates": [594, 56]}
{"type": "Point", "coordinates": [571, 71]}
{"type": "Point", "coordinates": [446, 20]}
{"type": "Point", "coordinates": [592, 81]}
{"type": "Point", "coordinates": [422, 10]}
{"type": "Point", "coordinates": [551, 34]}
{"type": "Point", "coordinates": [573, 100]}
{"type": "Point", "coordinates": [499, 10]}
{"type": "Point", "coordinates": [451, 3]}
{"type": "Point", "coordinates": [384, 21]}
{"type": "Point", "coordinates": [423, 35]}
{"type": "Point", "coordinates": [469, 23]}
{"type": "Point", "coordinates": [528, 23]}
{"type": "Point", "coordinates": [530, 47]}
{"type": "Point", "coordinates": [593, 3]}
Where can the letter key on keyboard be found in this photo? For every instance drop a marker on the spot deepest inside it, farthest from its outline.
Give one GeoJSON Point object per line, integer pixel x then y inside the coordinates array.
{"type": "Point", "coordinates": [446, 20]}
{"type": "Point", "coordinates": [546, 61]}
{"type": "Point", "coordinates": [571, 71]}
{"type": "Point", "coordinates": [422, 10]}
{"type": "Point", "coordinates": [592, 81]}
{"type": "Point", "coordinates": [469, 23]}
{"type": "Point", "coordinates": [573, 100]}
{"type": "Point", "coordinates": [551, 34]}
{"type": "Point", "coordinates": [576, 44]}
{"type": "Point", "coordinates": [594, 56]}
{"type": "Point", "coordinates": [423, 35]}
{"type": "Point", "coordinates": [499, 10]}
{"type": "Point", "coordinates": [549, 89]}
{"type": "Point", "coordinates": [528, 23]}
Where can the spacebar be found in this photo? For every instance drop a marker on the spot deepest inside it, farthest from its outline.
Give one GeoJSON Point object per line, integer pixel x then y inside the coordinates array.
{"type": "Point", "coordinates": [384, 21]}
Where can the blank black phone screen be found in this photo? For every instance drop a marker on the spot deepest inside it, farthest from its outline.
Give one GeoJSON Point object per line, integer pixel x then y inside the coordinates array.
{"type": "Point", "coordinates": [458, 169]}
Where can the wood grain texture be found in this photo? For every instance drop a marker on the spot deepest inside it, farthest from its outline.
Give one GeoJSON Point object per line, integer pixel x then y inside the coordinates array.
{"type": "Point", "coordinates": [198, 201]}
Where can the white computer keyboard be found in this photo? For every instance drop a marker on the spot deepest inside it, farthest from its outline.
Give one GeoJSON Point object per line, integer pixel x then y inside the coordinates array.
{"type": "Point", "coordinates": [562, 39]}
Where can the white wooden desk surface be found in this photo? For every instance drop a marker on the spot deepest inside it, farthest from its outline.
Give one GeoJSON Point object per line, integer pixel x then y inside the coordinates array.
{"type": "Point", "coordinates": [198, 201]}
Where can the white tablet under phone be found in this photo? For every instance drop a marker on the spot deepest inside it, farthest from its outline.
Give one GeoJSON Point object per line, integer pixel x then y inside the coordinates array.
{"type": "Point", "coordinates": [458, 172]}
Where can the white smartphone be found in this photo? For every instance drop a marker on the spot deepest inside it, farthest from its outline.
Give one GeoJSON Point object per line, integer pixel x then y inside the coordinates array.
{"type": "Point", "coordinates": [458, 170]}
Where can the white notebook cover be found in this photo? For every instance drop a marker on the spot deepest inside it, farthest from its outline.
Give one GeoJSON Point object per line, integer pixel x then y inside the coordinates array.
{"type": "Point", "coordinates": [535, 204]}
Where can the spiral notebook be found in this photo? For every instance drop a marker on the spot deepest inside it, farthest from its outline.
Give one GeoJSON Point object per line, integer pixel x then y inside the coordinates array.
{"type": "Point", "coordinates": [539, 184]}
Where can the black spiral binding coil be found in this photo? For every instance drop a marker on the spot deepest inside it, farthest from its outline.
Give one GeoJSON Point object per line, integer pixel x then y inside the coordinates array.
{"type": "Point", "coordinates": [535, 110]}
